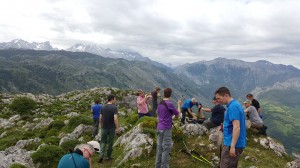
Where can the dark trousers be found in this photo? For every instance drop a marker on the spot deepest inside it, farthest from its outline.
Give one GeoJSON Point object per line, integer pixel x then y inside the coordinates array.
{"type": "Point", "coordinates": [183, 111]}
{"type": "Point", "coordinates": [107, 138]}
{"type": "Point", "coordinates": [154, 108]}
{"type": "Point", "coordinates": [96, 126]}
{"type": "Point", "coordinates": [142, 115]}
{"type": "Point", "coordinates": [228, 161]}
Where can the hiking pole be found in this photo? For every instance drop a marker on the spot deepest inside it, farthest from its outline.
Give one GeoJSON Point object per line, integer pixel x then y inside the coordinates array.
{"type": "Point", "coordinates": [187, 151]}
{"type": "Point", "coordinates": [198, 154]}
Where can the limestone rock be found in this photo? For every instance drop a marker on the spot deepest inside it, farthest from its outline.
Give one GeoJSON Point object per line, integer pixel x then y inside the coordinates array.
{"type": "Point", "coordinates": [43, 123]}
{"type": "Point", "coordinates": [80, 129]}
{"type": "Point", "coordinates": [269, 143]}
{"type": "Point", "coordinates": [194, 129]}
{"type": "Point", "coordinates": [72, 114]}
{"type": "Point", "coordinates": [135, 142]}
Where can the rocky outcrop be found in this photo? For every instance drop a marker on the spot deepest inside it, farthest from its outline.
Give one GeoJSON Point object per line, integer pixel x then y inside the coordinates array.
{"type": "Point", "coordinates": [8, 123]}
{"type": "Point", "coordinates": [269, 143]}
{"type": "Point", "coordinates": [16, 154]}
{"type": "Point", "coordinates": [135, 142]}
{"type": "Point", "coordinates": [293, 164]}
{"type": "Point", "coordinates": [80, 129]}
{"type": "Point", "coordinates": [194, 129]}
{"type": "Point", "coordinates": [43, 123]}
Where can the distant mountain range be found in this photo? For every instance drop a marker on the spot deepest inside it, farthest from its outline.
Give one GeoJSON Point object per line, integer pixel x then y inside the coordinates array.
{"type": "Point", "coordinates": [51, 71]}
{"type": "Point", "coordinates": [89, 48]}
{"type": "Point", "coordinates": [241, 76]}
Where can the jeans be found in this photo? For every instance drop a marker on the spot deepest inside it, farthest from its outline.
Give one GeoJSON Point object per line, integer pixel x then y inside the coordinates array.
{"type": "Point", "coordinates": [163, 149]}
{"type": "Point", "coordinates": [107, 137]}
{"type": "Point", "coordinates": [96, 126]}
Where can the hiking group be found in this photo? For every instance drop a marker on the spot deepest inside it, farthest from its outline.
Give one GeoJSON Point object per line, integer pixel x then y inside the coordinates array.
{"type": "Point", "coordinates": [231, 120]}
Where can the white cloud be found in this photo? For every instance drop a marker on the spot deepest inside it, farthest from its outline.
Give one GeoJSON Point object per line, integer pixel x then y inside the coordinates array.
{"type": "Point", "coordinates": [169, 31]}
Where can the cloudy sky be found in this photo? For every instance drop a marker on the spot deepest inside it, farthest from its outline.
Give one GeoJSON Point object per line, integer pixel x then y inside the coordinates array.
{"type": "Point", "coordinates": [168, 31]}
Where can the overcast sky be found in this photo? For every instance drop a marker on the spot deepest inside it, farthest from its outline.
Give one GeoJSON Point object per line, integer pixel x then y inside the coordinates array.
{"type": "Point", "coordinates": [168, 31]}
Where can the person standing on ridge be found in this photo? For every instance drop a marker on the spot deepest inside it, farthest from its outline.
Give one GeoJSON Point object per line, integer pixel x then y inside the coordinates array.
{"type": "Point", "coordinates": [165, 112]}
{"type": "Point", "coordinates": [142, 104]}
{"type": "Point", "coordinates": [96, 108]}
{"type": "Point", "coordinates": [234, 129]}
{"type": "Point", "coordinates": [154, 95]}
{"type": "Point", "coordinates": [109, 125]}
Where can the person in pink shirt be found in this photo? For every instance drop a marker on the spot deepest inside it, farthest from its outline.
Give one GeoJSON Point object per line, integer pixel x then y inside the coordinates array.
{"type": "Point", "coordinates": [142, 104]}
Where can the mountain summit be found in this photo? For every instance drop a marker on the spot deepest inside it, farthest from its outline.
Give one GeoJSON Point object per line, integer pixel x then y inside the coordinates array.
{"type": "Point", "coordinates": [95, 49]}
{"type": "Point", "coordinates": [22, 44]}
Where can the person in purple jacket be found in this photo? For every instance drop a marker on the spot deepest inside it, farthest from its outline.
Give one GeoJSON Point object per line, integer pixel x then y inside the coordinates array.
{"type": "Point", "coordinates": [165, 112]}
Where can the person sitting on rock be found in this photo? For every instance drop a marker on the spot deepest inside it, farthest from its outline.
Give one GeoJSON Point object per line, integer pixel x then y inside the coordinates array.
{"type": "Point", "coordinates": [217, 115]}
{"type": "Point", "coordinates": [256, 121]}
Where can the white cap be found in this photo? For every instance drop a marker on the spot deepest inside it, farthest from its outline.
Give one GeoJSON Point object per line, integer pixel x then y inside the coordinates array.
{"type": "Point", "coordinates": [95, 145]}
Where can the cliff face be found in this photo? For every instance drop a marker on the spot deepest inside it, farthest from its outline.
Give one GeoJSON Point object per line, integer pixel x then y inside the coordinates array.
{"type": "Point", "coordinates": [57, 120]}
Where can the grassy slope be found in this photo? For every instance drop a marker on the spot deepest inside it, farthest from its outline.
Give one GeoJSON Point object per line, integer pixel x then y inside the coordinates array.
{"type": "Point", "coordinates": [283, 123]}
{"type": "Point", "coordinates": [264, 158]}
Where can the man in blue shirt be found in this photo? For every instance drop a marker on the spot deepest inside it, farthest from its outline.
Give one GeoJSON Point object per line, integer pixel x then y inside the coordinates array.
{"type": "Point", "coordinates": [96, 108]}
{"type": "Point", "coordinates": [234, 129]}
{"type": "Point", "coordinates": [187, 108]}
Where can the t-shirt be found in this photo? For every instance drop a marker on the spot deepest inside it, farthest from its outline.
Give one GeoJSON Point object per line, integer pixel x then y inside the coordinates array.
{"type": "Point", "coordinates": [165, 115]}
{"type": "Point", "coordinates": [234, 112]}
{"type": "Point", "coordinates": [154, 97]}
{"type": "Point", "coordinates": [108, 111]}
{"type": "Point", "coordinates": [255, 103]}
{"type": "Point", "coordinates": [217, 114]}
{"type": "Point", "coordinates": [188, 104]}
{"type": "Point", "coordinates": [67, 161]}
{"type": "Point", "coordinates": [142, 105]}
{"type": "Point", "coordinates": [96, 108]}
{"type": "Point", "coordinates": [253, 115]}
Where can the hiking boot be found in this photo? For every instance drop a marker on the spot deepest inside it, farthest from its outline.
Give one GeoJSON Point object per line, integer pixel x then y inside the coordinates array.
{"type": "Point", "coordinates": [100, 160]}
{"type": "Point", "coordinates": [109, 158]}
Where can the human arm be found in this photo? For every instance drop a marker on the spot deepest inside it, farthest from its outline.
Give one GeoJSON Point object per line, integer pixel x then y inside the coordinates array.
{"type": "Point", "coordinates": [235, 136]}
{"type": "Point", "coordinates": [191, 113]}
{"type": "Point", "coordinates": [259, 110]}
{"type": "Point", "coordinates": [100, 121]}
{"type": "Point", "coordinates": [117, 123]}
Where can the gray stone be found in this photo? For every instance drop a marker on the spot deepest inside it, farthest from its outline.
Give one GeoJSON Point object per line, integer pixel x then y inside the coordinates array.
{"type": "Point", "coordinates": [134, 142]}
{"type": "Point", "coordinates": [269, 143]}
{"type": "Point", "coordinates": [78, 131]}
{"type": "Point", "coordinates": [194, 129]}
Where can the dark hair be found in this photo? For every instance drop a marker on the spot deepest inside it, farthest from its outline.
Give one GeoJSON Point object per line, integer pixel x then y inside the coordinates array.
{"type": "Point", "coordinates": [167, 92]}
{"type": "Point", "coordinates": [222, 91]}
{"type": "Point", "coordinates": [97, 101]}
{"type": "Point", "coordinates": [214, 98]}
{"type": "Point", "coordinates": [249, 95]}
{"type": "Point", "coordinates": [157, 88]}
{"type": "Point", "coordinates": [110, 97]}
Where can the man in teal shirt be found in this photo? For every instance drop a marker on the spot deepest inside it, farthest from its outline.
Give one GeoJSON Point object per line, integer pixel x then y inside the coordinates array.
{"type": "Point", "coordinates": [80, 158]}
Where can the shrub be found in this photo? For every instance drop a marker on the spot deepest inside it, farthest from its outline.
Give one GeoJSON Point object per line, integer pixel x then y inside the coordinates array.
{"type": "Point", "coordinates": [75, 121]}
{"type": "Point", "coordinates": [178, 135]}
{"type": "Point", "coordinates": [148, 122]}
{"type": "Point", "coordinates": [52, 132]}
{"type": "Point", "coordinates": [69, 144]}
{"type": "Point", "coordinates": [51, 140]}
{"type": "Point", "coordinates": [48, 155]}
{"type": "Point", "coordinates": [132, 119]}
{"type": "Point", "coordinates": [23, 105]}
{"type": "Point", "coordinates": [57, 124]}
{"type": "Point", "coordinates": [17, 165]}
